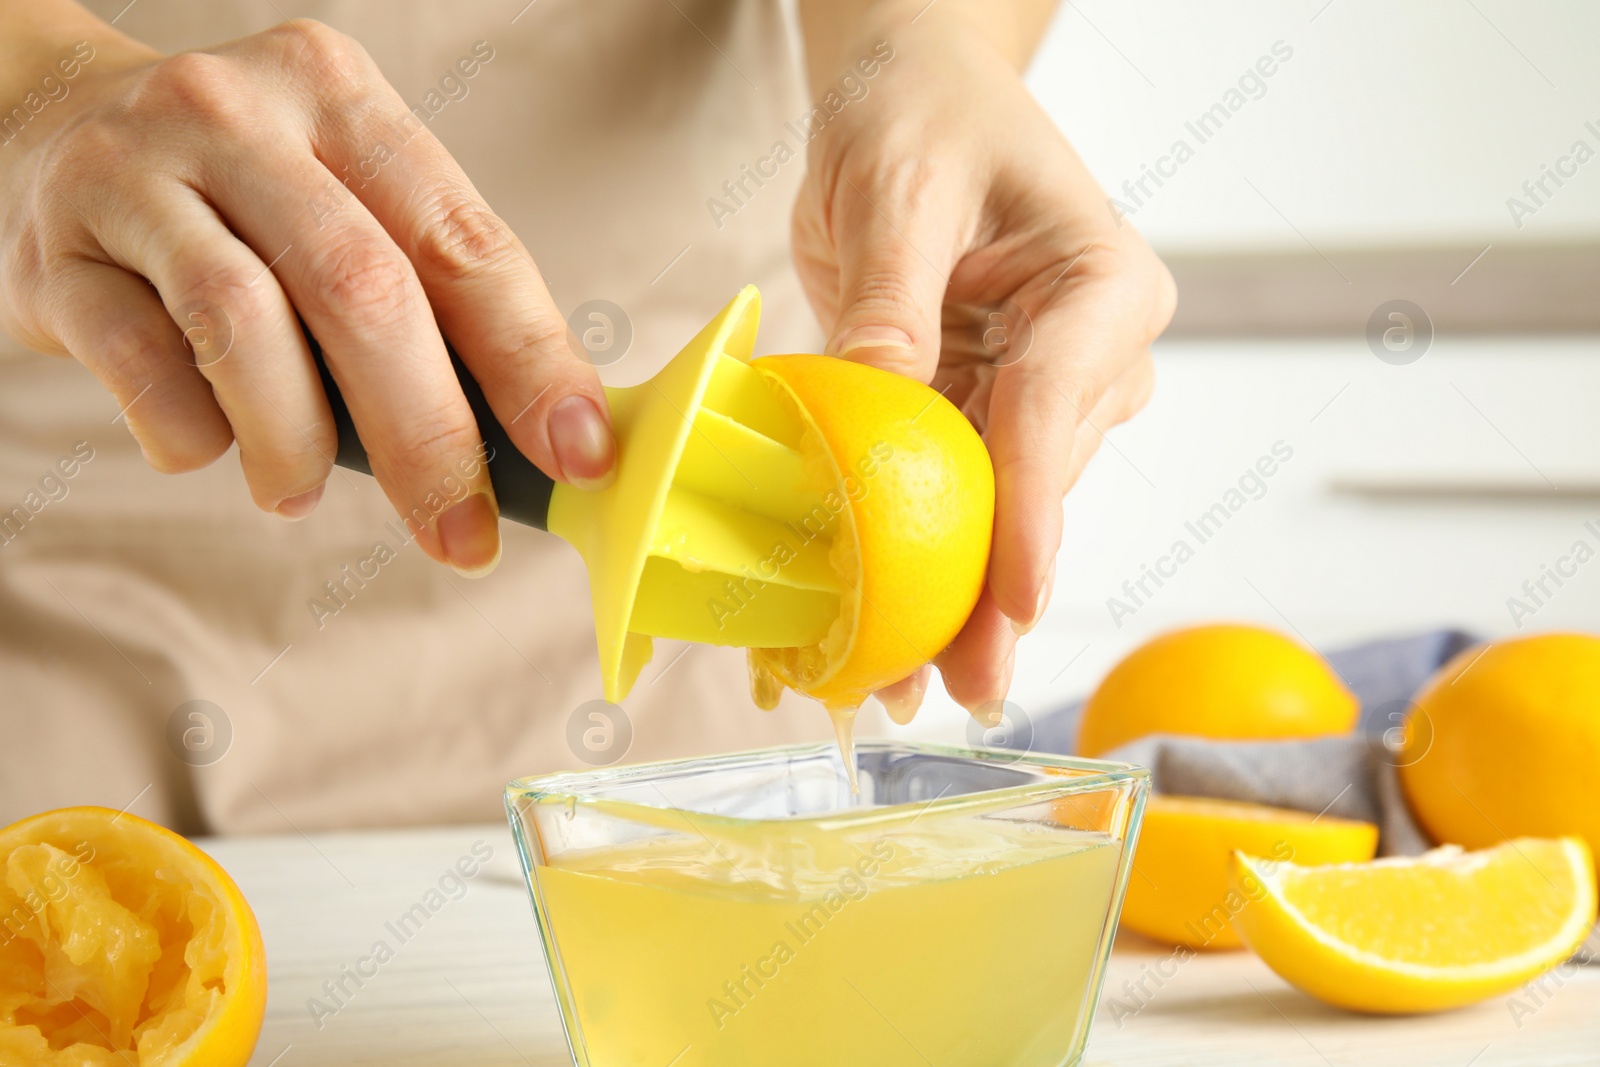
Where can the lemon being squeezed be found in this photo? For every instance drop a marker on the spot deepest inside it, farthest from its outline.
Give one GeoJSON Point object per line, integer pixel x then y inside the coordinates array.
{"type": "Point", "coordinates": [914, 492]}
{"type": "Point", "coordinates": [833, 518]}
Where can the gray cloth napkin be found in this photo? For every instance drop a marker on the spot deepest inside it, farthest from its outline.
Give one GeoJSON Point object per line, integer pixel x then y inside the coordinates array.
{"type": "Point", "coordinates": [1351, 776]}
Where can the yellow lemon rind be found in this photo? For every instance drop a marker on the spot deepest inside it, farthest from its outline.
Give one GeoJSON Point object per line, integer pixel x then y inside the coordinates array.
{"type": "Point", "coordinates": [1185, 911]}
{"type": "Point", "coordinates": [1352, 977]}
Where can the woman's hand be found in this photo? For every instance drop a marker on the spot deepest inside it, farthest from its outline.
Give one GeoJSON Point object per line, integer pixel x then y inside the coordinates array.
{"type": "Point", "coordinates": [164, 219]}
{"type": "Point", "coordinates": [947, 231]}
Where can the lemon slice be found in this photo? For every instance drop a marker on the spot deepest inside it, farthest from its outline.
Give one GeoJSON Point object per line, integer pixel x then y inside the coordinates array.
{"type": "Point", "coordinates": [1421, 933]}
{"type": "Point", "coordinates": [1179, 892]}
{"type": "Point", "coordinates": [123, 946]}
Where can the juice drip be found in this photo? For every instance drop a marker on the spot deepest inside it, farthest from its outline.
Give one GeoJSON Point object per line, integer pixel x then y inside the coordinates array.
{"type": "Point", "coordinates": [844, 728]}
{"type": "Point", "coordinates": [766, 689]}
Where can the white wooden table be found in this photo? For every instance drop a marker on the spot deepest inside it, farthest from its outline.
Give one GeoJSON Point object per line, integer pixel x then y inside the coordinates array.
{"type": "Point", "coordinates": [467, 985]}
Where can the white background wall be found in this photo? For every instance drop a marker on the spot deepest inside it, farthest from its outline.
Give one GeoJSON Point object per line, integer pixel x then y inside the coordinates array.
{"type": "Point", "coordinates": [1395, 120]}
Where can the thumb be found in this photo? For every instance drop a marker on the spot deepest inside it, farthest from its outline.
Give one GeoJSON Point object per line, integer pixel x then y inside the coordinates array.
{"type": "Point", "coordinates": [894, 262]}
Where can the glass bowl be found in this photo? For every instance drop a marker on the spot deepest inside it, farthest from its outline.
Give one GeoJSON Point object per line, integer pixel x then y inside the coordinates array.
{"type": "Point", "coordinates": [749, 909]}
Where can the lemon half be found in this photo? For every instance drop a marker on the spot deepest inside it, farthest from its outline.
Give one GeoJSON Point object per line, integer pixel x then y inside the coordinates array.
{"type": "Point", "coordinates": [912, 486]}
{"type": "Point", "coordinates": [123, 945]}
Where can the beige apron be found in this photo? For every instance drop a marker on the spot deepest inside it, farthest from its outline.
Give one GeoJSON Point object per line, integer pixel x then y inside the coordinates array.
{"type": "Point", "coordinates": [157, 646]}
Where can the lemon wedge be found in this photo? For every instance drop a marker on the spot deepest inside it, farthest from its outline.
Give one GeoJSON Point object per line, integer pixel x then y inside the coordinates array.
{"type": "Point", "coordinates": [1421, 933]}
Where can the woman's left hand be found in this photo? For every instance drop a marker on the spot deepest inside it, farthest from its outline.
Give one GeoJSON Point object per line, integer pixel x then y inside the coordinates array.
{"type": "Point", "coordinates": [947, 231]}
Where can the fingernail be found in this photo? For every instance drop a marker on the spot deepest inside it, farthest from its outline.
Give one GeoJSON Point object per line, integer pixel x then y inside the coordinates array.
{"type": "Point", "coordinates": [1024, 626]}
{"type": "Point", "coordinates": [581, 439]}
{"type": "Point", "coordinates": [296, 508]}
{"type": "Point", "coordinates": [863, 337]}
{"type": "Point", "coordinates": [903, 701]}
{"type": "Point", "coordinates": [991, 712]}
{"type": "Point", "coordinates": [988, 713]}
{"type": "Point", "coordinates": [469, 536]}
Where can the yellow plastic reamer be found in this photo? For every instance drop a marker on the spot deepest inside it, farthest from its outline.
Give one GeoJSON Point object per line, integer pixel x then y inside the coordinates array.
{"type": "Point", "coordinates": [710, 480]}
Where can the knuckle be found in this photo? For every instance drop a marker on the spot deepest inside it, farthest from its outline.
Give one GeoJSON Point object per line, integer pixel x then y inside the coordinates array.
{"type": "Point", "coordinates": [883, 288]}
{"type": "Point", "coordinates": [883, 295]}
{"type": "Point", "coordinates": [314, 49]}
{"type": "Point", "coordinates": [174, 441]}
{"type": "Point", "coordinates": [533, 349]}
{"type": "Point", "coordinates": [507, 358]}
{"type": "Point", "coordinates": [1105, 261]}
{"type": "Point", "coordinates": [894, 177]}
{"type": "Point", "coordinates": [1140, 275]}
{"type": "Point", "coordinates": [225, 283]}
{"type": "Point", "coordinates": [315, 38]}
{"type": "Point", "coordinates": [321, 441]}
{"type": "Point", "coordinates": [461, 237]}
{"type": "Point", "coordinates": [524, 346]}
{"type": "Point", "coordinates": [361, 278]}
{"type": "Point", "coordinates": [183, 453]}
{"type": "Point", "coordinates": [132, 352]}
{"type": "Point", "coordinates": [431, 442]}
{"type": "Point", "coordinates": [285, 461]}
{"type": "Point", "coordinates": [227, 286]}
{"type": "Point", "coordinates": [136, 354]}
{"type": "Point", "coordinates": [89, 150]}
{"type": "Point", "coordinates": [200, 85]}
{"type": "Point", "coordinates": [1078, 393]}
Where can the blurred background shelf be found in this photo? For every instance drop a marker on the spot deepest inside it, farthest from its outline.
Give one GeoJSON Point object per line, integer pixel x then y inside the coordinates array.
{"type": "Point", "coordinates": [1490, 289]}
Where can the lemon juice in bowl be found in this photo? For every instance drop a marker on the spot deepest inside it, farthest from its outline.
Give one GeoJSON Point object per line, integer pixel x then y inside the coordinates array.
{"type": "Point", "coordinates": [751, 909]}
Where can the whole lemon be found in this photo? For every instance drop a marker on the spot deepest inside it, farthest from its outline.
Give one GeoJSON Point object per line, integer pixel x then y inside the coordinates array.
{"type": "Point", "coordinates": [1505, 742]}
{"type": "Point", "coordinates": [1220, 680]}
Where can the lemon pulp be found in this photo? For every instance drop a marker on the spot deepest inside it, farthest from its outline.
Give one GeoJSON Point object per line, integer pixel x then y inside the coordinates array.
{"type": "Point", "coordinates": [802, 666]}
{"type": "Point", "coordinates": [122, 944]}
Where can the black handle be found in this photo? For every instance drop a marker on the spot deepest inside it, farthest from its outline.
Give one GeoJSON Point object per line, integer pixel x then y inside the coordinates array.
{"type": "Point", "coordinates": [522, 489]}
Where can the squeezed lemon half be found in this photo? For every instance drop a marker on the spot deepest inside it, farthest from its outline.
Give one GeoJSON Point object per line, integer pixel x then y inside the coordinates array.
{"type": "Point", "coordinates": [123, 945]}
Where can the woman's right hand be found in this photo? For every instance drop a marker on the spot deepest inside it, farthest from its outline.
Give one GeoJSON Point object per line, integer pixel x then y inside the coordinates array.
{"type": "Point", "coordinates": [165, 218]}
